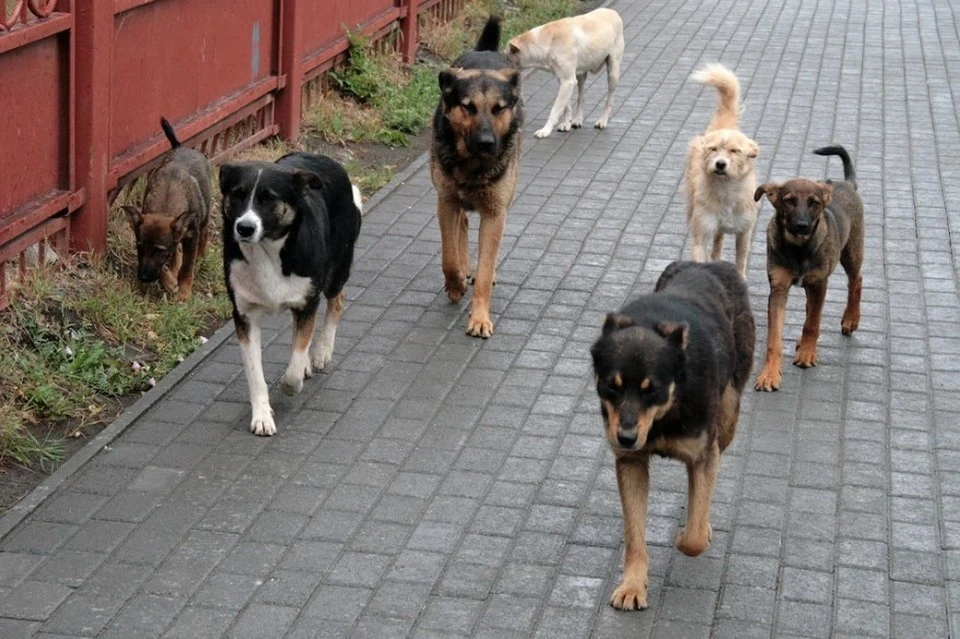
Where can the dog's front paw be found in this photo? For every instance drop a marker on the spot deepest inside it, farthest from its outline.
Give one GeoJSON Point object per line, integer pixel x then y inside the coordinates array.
{"type": "Point", "coordinates": [769, 379]}
{"type": "Point", "coordinates": [479, 325]}
{"type": "Point", "coordinates": [543, 133]}
{"type": "Point", "coordinates": [297, 371]}
{"type": "Point", "coordinates": [168, 280]}
{"type": "Point", "coordinates": [565, 126]}
{"type": "Point", "coordinates": [693, 543]}
{"type": "Point", "coordinates": [577, 122]}
{"type": "Point", "coordinates": [184, 292]}
{"type": "Point", "coordinates": [601, 123]}
{"type": "Point", "coordinates": [323, 353]}
{"type": "Point", "coordinates": [455, 286]}
{"type": "Point", "coordinates": [631, 594]}
{"type": "Point", "coordinates": [850, 322]}
{"type": "Point", "coordinates": [262, 425]}
{"type": "Point", "coordinates": [806, 356]}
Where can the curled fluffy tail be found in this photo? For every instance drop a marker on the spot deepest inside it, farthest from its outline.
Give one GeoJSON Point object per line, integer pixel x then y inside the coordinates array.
{"type": "Point", "coordinates": [169, 132]}
{"type": "Point", "coordinates": [490, 37]}
{"type": "Point", "coordinates": [728, 108]}
{"type": "Point", "coordinates": [848, 173]}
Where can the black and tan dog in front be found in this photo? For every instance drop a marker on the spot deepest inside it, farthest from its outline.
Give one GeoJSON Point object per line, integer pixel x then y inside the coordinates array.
{"type": "Point", "coordinates": [670, 368]}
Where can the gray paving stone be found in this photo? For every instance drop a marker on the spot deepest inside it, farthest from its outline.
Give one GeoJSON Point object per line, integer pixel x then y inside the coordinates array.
{"type": "Point", "coordinates": [433, 485]}
{"type": "Point", "coordinates": [34, 600]}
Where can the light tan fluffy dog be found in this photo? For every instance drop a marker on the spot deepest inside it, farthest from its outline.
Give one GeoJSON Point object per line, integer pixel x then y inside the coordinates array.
{"type": "Point", "coordinates": [571, 48]}
{"type": "Point", "coordinates": [720, 176]}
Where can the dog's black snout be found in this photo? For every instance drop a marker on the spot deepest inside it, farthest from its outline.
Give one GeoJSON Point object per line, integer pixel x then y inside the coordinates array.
{"type": "Point", "coordinates": [801, 227]}
{"type": "Point", "coordinates": [145, 275]}
{"type": "Point", "coordinates": [487, 142]}
{"type": "Point", "coordinates": [721, 165]}
{"type": "Point", "coordinates": [627, 438]}
{"type": "Point", "coordinates": [245, 228]}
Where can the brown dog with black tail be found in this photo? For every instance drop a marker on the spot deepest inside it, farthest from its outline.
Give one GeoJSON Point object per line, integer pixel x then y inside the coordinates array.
{"type": "Point", "coordinates": [171, 223]}
{"type": "Point", "coordinates": [816, 226]}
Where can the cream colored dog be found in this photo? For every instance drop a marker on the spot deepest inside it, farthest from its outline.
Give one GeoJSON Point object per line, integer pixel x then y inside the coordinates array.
{"type": "Point", "coordinates": [720, 177]}
{"type": "Point", "coordinates": [571, 48]}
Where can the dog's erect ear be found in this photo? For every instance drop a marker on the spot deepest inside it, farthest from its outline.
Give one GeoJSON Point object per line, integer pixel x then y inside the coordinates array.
{"type": "Point", "coordinates": [513, 78]}
{"type": "Point", "coordinates": [826, 192]}
{"type": "Point", "coordinates": [513, 48]}
{"type": "Point", "coordinates": [770, 189]}
{"type": "Point", "coordinates": [134, 215]}
{"type": "Point", "coordinates": [229, 177]}
{"type": "Point", "coordinates": [448, 82]}
{"type": "Point", "coordinates": [179, 225]}
{"type": "Point", "coordinates": [676, 333]}
{"type": "Point", "coordinates": [615, 321]}
{"type": "Point", "coordinates": [752, 149]}
{"type": "Point", "coordinates": [307, 180]}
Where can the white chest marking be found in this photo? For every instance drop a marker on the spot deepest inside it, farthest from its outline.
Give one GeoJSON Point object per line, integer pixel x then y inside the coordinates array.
{"type": "Point", "coordinates": [259, 283]}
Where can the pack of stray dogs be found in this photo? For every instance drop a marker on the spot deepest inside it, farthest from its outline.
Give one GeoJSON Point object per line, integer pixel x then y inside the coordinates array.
{"type": "Point", "coordinates": [670, 366]}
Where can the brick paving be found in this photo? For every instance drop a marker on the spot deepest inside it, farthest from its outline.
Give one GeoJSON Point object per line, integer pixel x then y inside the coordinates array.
{"type": "Point", "coordinates": [435, 485]}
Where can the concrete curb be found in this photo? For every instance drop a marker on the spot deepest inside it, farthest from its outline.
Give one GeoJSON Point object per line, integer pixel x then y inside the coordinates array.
{"type": "Point", "coordinates": [35, 498]}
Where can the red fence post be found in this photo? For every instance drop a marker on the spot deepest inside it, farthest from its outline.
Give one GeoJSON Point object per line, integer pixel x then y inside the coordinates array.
{"type": "Point", "coordinates": [93, 37]}
{"type": "Point", "coordinates": [289, 100]}
{"type": "Point", "coordinates": [408, 28]}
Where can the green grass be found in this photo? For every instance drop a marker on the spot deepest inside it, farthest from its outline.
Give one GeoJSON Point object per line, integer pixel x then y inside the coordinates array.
{"type": "Point", "coordinates": [378, 99]}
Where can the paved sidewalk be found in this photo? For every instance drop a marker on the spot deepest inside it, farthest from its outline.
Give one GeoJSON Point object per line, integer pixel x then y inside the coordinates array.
{"type": "Point", "coordinates": [435, 485]}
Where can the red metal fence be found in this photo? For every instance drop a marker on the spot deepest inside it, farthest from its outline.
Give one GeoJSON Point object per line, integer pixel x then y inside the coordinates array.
{"type": "Point", "coordinates": [83, 84]}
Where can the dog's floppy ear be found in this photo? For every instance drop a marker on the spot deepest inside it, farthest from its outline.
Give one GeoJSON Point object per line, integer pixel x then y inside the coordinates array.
{"type": "Point", "coordinates": [229, 176]}
{"type": "Point", "coordinates": [615, 321]}
{"type": "Point", "coordinates": [307, 180]}
{"type": "Point", "coordinates": [770, 189]}
{"type": "Point", "coordinates": [134, 215]}
{"type": "Point", "coordinates": [826, 192]}
{"type": "Point", "coordinates": [676, 333]}
{"type": "Point", "coordinates": [753, 150]}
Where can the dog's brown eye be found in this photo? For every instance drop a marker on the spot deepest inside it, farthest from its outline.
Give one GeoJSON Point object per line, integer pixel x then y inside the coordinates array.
{"type": "Point", "coordinates": [813, 203]}
{"type": "Point", "coordinates": [712, 149]}
{"type": "Point", "coordinates": [470, 108]}
{"type": "Point", "coordinates": [734, 151]}
{"type": "Point", "coordinates": [497, 109]}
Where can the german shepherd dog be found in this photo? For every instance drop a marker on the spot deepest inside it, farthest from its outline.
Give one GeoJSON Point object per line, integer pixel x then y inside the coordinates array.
{"type": "Point", "coordinates": [171, 224]}
{"type": "Point", "coordinates": [816, 225]}
{"type": "Point", "coordinates": [670, 368]}
{"type": "Point", "coordinates": [288, 234]}
{"type": "Point", "coordinates": [474, 160]}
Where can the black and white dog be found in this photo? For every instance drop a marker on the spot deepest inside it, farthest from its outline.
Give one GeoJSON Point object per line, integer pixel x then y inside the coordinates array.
{"type": "Point", "coordinates": [288, 234]}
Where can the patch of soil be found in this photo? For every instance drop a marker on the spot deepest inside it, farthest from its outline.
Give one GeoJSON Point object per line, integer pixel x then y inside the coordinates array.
{"type": "Point", "coordinates": [374, 157]}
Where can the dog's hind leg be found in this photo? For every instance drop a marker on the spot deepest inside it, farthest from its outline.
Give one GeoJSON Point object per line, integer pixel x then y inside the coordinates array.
{"type": "Point", "coordinates": [633, 480]}
{"type": "Point", "coordinates": [578, 116]}
{"type": "Point", "coordinates": [851, 265]}
{"type": "Point", "coordinates": [563, 101]}
{"type": "Point", "coordinates": [323, 349]}
{"type": "Point", "coordinates": [463, 246]}
{"type": "Point", "coordinates": [248, 334]}
{"type": "Point", "coordinates": [613, 79]}
{"type": "Point", "coordinates": [304, 321]}
{"type": "Point", "coordinates": [696, 534]}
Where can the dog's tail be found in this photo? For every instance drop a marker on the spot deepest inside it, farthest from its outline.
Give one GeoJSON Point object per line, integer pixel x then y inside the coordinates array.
{"type": "Point", "coordinates": [490, 37]}
{"type": "Point", "coordinates": [848, 173]}
{"type": "Point", "coordinates": [357, 199]}
{"type": "Point", "coordinates": [169, 132]}
{"type": "Point", "coordinates": [728, 108]}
